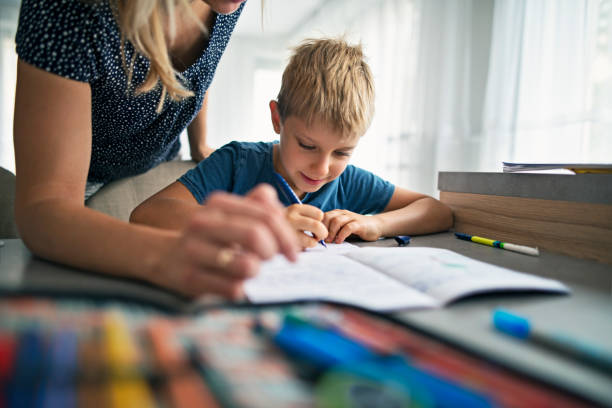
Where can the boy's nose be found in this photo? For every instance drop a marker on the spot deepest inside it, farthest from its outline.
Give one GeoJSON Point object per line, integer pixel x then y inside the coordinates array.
{"type": "Point", "coordinates": [320, 168]}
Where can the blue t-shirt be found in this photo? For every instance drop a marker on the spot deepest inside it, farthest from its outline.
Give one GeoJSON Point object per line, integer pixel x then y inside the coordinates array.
{"type": "Point", "coordinates": [237, 167]}
{"type": "Point", "coordinates": [81, 41]}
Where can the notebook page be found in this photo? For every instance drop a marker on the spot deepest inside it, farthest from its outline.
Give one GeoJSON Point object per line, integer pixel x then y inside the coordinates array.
{"type": "Point", "coordinates": [336, 249]}
{"type": "Point", "coordinates": [318, 275]}
{"type": "Point", "coordinates": [446, 275]}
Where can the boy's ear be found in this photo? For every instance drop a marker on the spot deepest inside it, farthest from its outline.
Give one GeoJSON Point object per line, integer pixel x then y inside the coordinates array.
{"type": "Point", "coordinates": [275, 116]}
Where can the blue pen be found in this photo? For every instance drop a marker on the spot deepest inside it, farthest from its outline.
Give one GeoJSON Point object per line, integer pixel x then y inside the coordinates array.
{"type": "Point", "coordinates": [520, 327]}
{"type": "Point", "coordinates": [289, 194]}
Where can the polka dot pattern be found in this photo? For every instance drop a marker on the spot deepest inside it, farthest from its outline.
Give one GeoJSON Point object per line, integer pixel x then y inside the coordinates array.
{"type": "Point", "coordinates": [81, 41]}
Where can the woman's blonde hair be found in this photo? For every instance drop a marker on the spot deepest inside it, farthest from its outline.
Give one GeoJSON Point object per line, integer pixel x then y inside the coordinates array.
{"type": "Point", "coordinates": [328, 80]}
{"type": "Point", "coordinates": [150, 26]}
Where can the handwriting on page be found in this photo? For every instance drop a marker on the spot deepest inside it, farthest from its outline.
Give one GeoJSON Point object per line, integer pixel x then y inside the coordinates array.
{"type": "Point", "coordinates": [318, 275]}
{"type": "Point", "coordinates": [332, 248]}
{"type": "Point", "coordinates": [441, 273]}
{"type": "Point", "coordinates": [422, 270]}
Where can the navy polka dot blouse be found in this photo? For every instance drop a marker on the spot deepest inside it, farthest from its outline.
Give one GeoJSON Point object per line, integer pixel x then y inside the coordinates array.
{"type": "Point", "coordinates": [81, 41]}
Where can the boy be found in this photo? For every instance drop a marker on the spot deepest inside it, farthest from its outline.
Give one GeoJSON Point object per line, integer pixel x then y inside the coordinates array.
{"type": "Point", "coordinates": [325, 105]}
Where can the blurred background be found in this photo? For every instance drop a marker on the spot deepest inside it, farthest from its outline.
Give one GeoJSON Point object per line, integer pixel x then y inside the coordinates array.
{"type": "Point", "coordinates": [462, 85]}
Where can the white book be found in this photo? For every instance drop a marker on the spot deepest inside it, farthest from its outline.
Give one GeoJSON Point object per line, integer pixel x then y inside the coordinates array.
{"type": "Point", "coordinates": [557, 168]}
{"type": "Point", "coordinates": [386, 279]}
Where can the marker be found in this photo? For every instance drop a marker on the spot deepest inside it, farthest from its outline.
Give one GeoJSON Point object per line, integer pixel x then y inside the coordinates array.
{"type": "Point", "coordinates": [331, 351]}
{"type": "Point", "coordinates": [402, 240]}
{"type": "Point", "coordinates": [322, 347]}
{"type": "Point", "coordinates": [498, 244]}
{"type": "Point", "coordinates": [184, 387]}
{"type": "Point", "coordinates": [30, 367]}
{"type": "Point", "coordinates": [290, 195]}
{"type": "Point", "coordinates": [8, 349]}
{"type": "Point", "coordinates": [520, 327]}
{"type": "Point", "coordinates": [59, 390]}
{"type": "Point", "coordinates": [123, 355]}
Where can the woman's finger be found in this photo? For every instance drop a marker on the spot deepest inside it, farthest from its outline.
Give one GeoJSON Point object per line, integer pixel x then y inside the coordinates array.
{"type": "Point", "coordinates": [266, 196]}
{"type": "Point", "coordinates": [196, 281]}
{"type": "Point", "coordinates": [257, 214]}
{"type": "Point", "coordinates": [224, 261]}
{"type": "Point", "coordinates": [225, 230]}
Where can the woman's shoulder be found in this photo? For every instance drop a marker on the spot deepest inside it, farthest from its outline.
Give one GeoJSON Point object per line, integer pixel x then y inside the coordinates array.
{"type": "Point", "coordinates": [61, 36]}
{"type": "Point", "coordinates": [63, 16]}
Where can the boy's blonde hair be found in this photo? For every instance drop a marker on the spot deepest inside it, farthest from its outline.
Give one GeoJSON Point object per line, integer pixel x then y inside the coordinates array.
{"type": "Point", "coordinates": [328, 80]}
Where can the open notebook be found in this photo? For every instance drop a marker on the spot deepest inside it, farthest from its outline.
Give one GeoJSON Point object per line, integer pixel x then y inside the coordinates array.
{"type": "Point", "coordinates": [386, 279]}
{"type": "Point", "coordinates": [375, 278]}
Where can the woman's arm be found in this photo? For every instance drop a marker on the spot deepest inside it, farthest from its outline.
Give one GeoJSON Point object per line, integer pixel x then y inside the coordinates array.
{"type": "Point", "coordinates": [196, 133]}
{"type": "Point", "coordinates": [52, 136]}
{"type": "Point", "coordinates": [406, 213]}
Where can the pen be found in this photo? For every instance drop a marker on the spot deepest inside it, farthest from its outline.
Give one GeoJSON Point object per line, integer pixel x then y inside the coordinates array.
{"type": "Point", "coordinates": [521, 328]}
{"type": "Point", "coordinates": [290, 195]}
{"type": "Point", "coordinates": [498, 244]}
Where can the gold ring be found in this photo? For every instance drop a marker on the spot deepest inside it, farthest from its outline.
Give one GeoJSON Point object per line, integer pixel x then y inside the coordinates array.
{"type": "Point", "coordinates": [225, 257]}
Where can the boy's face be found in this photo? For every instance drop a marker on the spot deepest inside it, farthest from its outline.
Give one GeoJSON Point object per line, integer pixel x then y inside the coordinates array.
{"type": "Point", "coordinates": [308, 157]}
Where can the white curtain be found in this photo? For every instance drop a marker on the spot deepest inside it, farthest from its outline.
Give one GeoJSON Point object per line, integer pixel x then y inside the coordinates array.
{"type": "Point", "coordinates": [8, 63]}
{"type": "Point", "coordinates": [549, 91]}
{"type": "Point", "coordinates": [463, 85]}
{"type": "Point", "coordinates": [427, 57]}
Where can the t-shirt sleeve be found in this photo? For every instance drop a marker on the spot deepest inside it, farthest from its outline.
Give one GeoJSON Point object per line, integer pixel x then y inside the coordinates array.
{"type": "Point", "coordinates": [213, 173]}
{"type": "Point", "coordinates": [57, 36]}
{"type": "Point", "coordinates": [364, 192]}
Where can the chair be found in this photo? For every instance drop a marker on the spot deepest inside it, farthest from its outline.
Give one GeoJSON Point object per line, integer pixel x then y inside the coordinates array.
{"type": "Point", "coordinates": [8, 228]}
{"type": "Point", "coordinates": [116, 199]}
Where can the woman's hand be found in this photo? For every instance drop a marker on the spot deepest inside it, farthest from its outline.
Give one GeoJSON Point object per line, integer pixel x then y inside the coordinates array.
{"type": "Point", "coordinates": [305, 217]}
{"type": "Point", "coordinates": [342, 223]}
{"type": "Point", "coordinates": [224, 244]}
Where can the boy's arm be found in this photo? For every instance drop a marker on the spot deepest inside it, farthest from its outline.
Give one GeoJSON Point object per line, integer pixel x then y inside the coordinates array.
{"type": "Point", "coordinates": [173, 207]}
{"type": "Point", "coordinates": [170, 208]}
{"type": "Point", "coordinates": [407, 213]}
{"type": "Point", "coordinates": [413, 213]}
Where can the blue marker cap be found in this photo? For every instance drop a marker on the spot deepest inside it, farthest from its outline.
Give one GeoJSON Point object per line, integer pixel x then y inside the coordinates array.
{"type": "Point", "coordinates": [511, 324]}
{"type": "Point", "coordinates": [402, 240]}
{"type": "Point", "coordinates": [463, 236]}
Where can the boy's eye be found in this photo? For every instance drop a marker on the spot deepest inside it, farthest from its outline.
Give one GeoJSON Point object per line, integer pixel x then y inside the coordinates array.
{"type": "Point", "coordinates": [343, 154]}
{"type": "Point", "coordinates": [305, 146]}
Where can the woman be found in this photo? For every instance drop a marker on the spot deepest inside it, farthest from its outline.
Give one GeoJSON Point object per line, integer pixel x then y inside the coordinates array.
{"type": "Point", "coordinates": [104, 88]}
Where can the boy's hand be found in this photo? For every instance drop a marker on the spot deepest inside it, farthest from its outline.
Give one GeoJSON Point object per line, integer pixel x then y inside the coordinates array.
{"type": "Point", "coordinates": [342, 223]}
{"type": "Point", "coordinates": [305, 217]}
